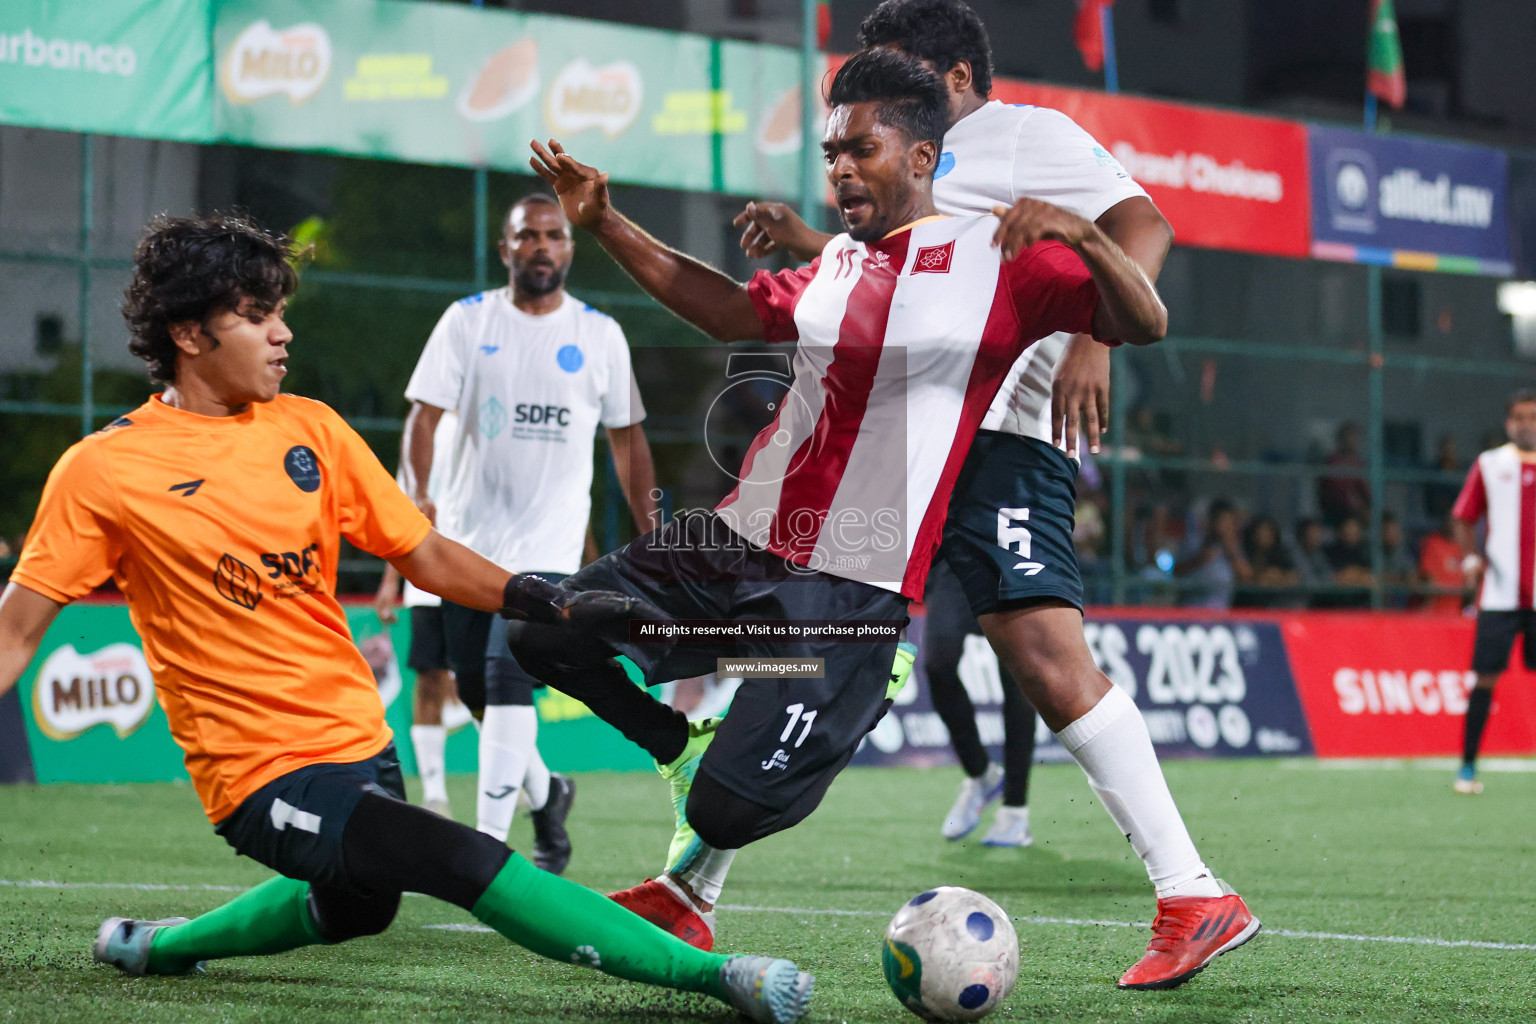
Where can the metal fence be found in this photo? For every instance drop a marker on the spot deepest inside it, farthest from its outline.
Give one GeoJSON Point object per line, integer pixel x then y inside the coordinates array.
{"type": "Point", "coordinates": [1118, 578]}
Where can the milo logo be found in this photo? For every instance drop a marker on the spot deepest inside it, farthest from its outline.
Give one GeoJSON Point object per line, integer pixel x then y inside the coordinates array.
{"type": "Point", "coordinates": [75, 691]}
{"type": "Point", "coordinates": [263, 62]}
{"type": "Point", "coordinates": [583, 97]}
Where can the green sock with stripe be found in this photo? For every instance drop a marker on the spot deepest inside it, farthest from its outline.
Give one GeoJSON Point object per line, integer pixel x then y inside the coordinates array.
{"type": "Point", "coordinates": [271, 918]}
{"type": "Point", "coordinates": [573, 924]}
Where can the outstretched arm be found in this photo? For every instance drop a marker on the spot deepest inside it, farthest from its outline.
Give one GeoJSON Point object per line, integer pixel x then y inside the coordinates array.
{"type": "Point", "coordinates": [695, 291]}
{"type": "Point", "coordinates": [25, 616]}
{"type": "Point", "coordinates": [452, 571]}
{"type": "Point", "coordinates": [1129, 308]}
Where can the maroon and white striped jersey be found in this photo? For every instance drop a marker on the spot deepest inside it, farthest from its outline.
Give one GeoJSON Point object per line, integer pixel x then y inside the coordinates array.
{"type": "Point", "coordinates": [902, 346]}
{"type": "Point", "coordinates": [1502, 486]}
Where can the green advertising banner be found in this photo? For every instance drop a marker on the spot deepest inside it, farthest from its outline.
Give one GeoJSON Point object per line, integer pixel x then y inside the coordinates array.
{"type": "Point", "coordinates": [123, 67]}
{"type": "Point", "coordinates": [91, 714]}
{"type": "Point", "coordinates": [434, 83]}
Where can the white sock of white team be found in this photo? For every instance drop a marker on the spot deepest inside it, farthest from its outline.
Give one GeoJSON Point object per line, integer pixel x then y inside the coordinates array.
{"type": "Point", "coordinates": [509, 762]}
{"type": "Point", "coordinates": [1112, 746]}
{"type": "Point", "coordinates": [428, 743]}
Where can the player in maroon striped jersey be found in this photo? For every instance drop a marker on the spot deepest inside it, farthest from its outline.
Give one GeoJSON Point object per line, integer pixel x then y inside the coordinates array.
{"type": "Point", "coordinates": [1501, 488]}
{"type": "Point", "coordinates": [906, 324]}
{"type": "Point", "coordinates": [1008, 538]}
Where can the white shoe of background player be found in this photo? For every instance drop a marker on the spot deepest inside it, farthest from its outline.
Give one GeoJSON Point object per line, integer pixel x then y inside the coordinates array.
{"type": "Point", "coordinates": [975, 795]}
{"type": "Point", "coordinates": [1009, 828]}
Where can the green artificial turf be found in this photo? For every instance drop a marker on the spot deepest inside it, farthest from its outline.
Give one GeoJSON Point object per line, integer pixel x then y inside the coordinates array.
{"type": "Point", "coordinates": [1378, 851]}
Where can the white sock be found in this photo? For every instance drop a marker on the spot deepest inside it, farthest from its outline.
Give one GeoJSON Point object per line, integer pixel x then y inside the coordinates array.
{"type": "Point", "coordinates": [507, 745]}
{"type": "Point", "coordinates": [427, 741]}
{"type": "Point", "coordinates": [705, 873]}
{"type": "Point", "coordinates": [1113, 747]}
{"type": "Point", "coordinates": [536, 782]}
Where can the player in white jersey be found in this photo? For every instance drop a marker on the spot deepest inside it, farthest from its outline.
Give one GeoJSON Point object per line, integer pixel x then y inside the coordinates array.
{"type": "Point", "coordinates": [906, 326]}
{"type": "Point", "coordinates": [532, 374]}
{"type": "Point", "coordinates": [433, 694]}
{"type": "Point", "coordinates": [1009, 534]}
{"type": "Point", "coordinates": [1501, 489]}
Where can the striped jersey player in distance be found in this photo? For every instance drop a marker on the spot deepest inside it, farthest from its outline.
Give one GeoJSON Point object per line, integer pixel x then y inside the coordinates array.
{"type": "Point", "coordinates": [906, 325]}
{"type": "Point", "coordinates": [1501, 491]}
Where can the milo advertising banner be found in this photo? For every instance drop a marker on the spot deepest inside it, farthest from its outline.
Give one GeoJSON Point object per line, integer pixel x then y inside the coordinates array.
{"type": "Point", "coordinates": [116, 66]}
{"type": "Point", "coordinates": [444, 84]}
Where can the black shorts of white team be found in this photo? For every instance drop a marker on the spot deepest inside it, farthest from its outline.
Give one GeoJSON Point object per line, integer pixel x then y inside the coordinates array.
{"type": "Point", "coordinates": [775, 754]}
{"type": "Point", "coordinates": [1008, 536]}
{"type": "Point", "coordinates": [474, 645]}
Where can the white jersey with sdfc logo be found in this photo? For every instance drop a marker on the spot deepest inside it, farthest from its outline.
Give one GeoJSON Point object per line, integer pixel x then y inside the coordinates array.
{"type": "Point", "coordinates": [530, 393]}
{"type": "Point", "coordinates": [1002, 153]}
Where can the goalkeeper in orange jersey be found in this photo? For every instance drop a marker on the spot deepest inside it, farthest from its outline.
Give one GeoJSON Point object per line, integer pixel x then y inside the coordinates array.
{"type": "Point", "coordinates": [219, 506]}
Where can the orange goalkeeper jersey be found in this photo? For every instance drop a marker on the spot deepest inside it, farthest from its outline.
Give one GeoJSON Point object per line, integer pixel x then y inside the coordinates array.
{"type": "Point", "coordinates": [223, 534]}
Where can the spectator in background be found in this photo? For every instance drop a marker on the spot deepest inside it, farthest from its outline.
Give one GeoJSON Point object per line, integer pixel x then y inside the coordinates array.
{"type": "Point", "coordinates": [1398, 567]}
{"type": "Point", "coordinates": [1147, 433]}
{"type": "Point", "coordinates": [1270, 564]}
{"type": "Point", "coordinates": [1312, 566]}
{"type": "Point", "coordinates": [1218, 564]}
{"type": "Point", "coordinates": [1339, 497]}
{"type": "Point", "coordinates": [1440, 561]}
{"type": "Point", "coordinates": [1350, 557]}
{"type": "Point", "coordinates": [1440, 495]}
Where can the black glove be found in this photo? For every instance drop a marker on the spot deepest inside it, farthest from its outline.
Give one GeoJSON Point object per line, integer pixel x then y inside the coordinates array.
{"type": "Point", "coordinates": [603, 615]}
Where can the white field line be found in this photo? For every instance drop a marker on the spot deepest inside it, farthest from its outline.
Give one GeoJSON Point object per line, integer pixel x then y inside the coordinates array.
{"type": "Point", "coordinates": [1389, 764]}
{"type": "Point", "coordinates": [1079, 922]}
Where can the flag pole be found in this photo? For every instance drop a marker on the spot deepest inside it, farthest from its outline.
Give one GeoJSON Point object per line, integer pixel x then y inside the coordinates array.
{"type": "Point", "coordinates": [1111, 68]}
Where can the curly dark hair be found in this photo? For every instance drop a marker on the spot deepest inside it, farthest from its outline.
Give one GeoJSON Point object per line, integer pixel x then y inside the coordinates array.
{"type": "Point", "coordinates": [192, 268]}
{"type": "Point", "coordinates": [910, 96]}
{"type": "Point", "coordinates": [1518, 398]}
{"type": "Point", "coordinates": [942, 32]}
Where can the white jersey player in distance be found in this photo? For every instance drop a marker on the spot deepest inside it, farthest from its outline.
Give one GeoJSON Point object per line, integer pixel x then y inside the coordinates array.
{"type": "Point", "coordinates": [1004, 158]}
{"type": "Point", "coordinates": [532, 374]}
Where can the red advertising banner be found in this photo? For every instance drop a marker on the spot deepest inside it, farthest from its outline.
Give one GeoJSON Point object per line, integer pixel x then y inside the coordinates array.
{"type": "Point", "coordinates": [1396, 686]}
{"type": "Point", "coordinates": [1223, 180]}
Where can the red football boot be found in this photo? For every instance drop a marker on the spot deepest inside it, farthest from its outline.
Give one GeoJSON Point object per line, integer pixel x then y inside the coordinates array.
{"type": "Point", "coordinates": [667, 907]}
{"type": "Point", "coordinates": [1190, 932]}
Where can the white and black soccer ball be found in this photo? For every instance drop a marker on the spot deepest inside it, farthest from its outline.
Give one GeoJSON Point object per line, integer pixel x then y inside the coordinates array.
{"type": "Point", "coordinates": [951, 954]}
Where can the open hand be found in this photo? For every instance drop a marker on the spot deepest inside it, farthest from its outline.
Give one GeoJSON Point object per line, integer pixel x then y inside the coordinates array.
{"type": "Point", "coordinates": [773, 227]}
{"type": "Point", "coordinates": [1080, 393]}
{"type": "Point", "coordinates": [582, 190]}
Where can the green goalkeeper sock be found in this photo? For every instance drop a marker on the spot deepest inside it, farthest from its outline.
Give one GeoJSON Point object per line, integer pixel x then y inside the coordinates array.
{"type": "Point", "coordinates": [573, 924]}
{"type": "Point", "coordinates": [271, 918]}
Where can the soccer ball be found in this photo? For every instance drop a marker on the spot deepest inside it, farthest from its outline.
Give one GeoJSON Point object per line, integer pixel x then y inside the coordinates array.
{"type": "Point", "coordinates": [951, 954]}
